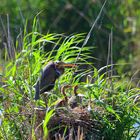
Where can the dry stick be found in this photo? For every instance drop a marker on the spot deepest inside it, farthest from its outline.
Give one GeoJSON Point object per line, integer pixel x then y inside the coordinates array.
{"type": "Point", "coordinates": [109, 68]}
{"type": "Point", "coordinates": [9, 46]}
{"type": "Point", "coordinates": [108, 56]}
{"type": "Point", "coordinates": [110, 59]}
{"type": "Point", "coordinates": [109, 64]}
{"type": "Point", "coordinates": [89, 33]}
{"type": "Point", "coordinates": [111, 43]}
{"type": "Point", "coordinates": [6, 35]}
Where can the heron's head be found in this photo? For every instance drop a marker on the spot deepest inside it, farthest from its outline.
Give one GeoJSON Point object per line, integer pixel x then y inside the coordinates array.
{"type": "Point", "coordinates": [60, 66]}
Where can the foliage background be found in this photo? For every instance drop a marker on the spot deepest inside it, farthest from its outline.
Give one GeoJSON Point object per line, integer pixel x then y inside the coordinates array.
{"type": "Point", "coordinates": [122, 17]}
{"type": "Point", "coordinates": [75, 16]}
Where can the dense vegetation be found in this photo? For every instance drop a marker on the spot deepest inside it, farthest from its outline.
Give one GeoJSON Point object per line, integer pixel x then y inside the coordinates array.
{"type": "Point", "coordinates": [107, 78]}
{"type": "Point", "coordinates": [122, 16]}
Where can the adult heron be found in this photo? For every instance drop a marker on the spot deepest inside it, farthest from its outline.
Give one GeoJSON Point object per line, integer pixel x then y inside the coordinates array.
{"type": "Point", "coordinates": [49, 74]}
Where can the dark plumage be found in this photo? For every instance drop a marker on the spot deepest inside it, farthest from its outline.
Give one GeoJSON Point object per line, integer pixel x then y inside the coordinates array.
{"type": "Point", "coordinates": [49, 74]}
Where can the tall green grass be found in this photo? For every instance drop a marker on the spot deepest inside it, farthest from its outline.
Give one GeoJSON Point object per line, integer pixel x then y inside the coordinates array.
{"type": "Point", "coordinates": [113, 102]}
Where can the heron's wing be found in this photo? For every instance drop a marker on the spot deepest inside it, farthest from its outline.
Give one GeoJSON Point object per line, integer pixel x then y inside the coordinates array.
{"type": "Point", "coordinates": [48, 76]}
{"type": "Point", "coordinates": [46, 80]}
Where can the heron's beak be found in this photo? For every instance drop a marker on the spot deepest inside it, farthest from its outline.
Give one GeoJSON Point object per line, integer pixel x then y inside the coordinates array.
{"type": "Point", "coordinates": [68, 65]}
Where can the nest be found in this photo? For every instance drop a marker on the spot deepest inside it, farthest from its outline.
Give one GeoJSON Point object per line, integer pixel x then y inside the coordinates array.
{"type": "Point", "coordinates": [71, 120]}
{"type": "Point", "coordinates": [70, 123]}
